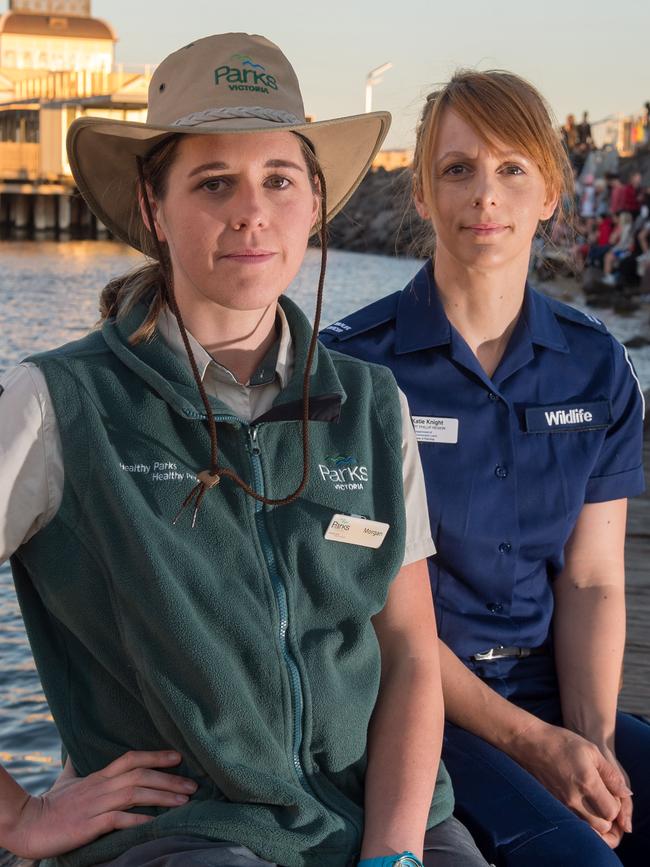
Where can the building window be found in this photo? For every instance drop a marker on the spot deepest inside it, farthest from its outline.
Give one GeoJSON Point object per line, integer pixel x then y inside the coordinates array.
{"type": "Point", "coordinates": [19, 126]}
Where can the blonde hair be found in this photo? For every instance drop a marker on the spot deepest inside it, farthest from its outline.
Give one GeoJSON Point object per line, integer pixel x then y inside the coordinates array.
{"type": "Point", "coordinates": [499, 106]}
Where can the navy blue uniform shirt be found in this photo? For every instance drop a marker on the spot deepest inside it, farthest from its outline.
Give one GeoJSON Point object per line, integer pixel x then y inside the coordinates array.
{"type": "Point", "coordinates": [509, 460]}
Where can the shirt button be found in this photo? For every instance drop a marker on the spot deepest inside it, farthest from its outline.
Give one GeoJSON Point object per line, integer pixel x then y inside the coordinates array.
{"type": "Point", "coordinates": [505, 548]}
{"type": "Point", "coordinates": [494, 607]}
{"type": "Point", "coordinates": [500, 472]}
{"type": "Point", "coordinates": [493, 396]}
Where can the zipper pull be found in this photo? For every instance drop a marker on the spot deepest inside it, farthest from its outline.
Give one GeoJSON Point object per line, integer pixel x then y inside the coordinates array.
{"type": "Point", "coordinates": [252, 436]}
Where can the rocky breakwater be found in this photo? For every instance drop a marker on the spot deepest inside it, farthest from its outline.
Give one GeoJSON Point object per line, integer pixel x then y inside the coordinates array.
{"type": "Point", "coordinates": [639, 162]}
{"type": "Point", "coordinates": [379, 218]}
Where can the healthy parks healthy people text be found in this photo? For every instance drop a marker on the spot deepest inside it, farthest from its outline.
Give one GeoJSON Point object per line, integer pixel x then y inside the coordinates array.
{"type": "Point", "coordinates": [529, 418]}
{"type": "Point", "coordinates": [186, 597]}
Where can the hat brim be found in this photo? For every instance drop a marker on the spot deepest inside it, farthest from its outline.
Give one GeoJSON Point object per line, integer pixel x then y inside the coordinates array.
{"type": "Point", "coordinates": [102, 155]}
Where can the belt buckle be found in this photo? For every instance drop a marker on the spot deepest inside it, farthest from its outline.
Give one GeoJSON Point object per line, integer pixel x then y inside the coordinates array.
{"type": "Point", "coordinates": [503, 652]}
{"type": "Point", "coordinates": [487, 655]}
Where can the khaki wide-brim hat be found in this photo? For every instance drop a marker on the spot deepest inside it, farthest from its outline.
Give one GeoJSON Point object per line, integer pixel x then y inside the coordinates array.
{"type": "Point", "coordinates": [228, 83]}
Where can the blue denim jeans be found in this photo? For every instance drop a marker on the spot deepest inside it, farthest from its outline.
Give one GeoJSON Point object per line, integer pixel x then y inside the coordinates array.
{"type": "Point", "coordinates": [513, 818]}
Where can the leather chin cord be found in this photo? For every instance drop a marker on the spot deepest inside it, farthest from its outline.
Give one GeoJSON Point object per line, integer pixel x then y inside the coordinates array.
{"type": "Point", "coordinates": [210, 478]}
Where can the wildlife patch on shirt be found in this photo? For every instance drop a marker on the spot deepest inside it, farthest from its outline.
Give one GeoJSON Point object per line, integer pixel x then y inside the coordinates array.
{"type": "Point", "coordinates": [578, 416]}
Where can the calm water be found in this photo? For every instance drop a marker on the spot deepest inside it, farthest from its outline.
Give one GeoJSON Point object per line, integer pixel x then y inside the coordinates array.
{"type": "Point", "coordinates": [48, 295]}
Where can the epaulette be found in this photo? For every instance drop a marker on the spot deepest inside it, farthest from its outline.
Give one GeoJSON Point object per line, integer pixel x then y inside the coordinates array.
{"type": "Point", "coordinates": [377, 313]}
{"type": "Point", "coordinates": [565, 311]}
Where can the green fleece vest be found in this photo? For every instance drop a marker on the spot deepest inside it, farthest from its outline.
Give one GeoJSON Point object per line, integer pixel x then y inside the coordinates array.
{"type": "Point", "coordinates": [245, 643]}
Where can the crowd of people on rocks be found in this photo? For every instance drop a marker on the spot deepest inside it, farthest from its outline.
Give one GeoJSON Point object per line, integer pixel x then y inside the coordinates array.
{"type": "Point", "coordinates": [609, 239]}
{"type": "Point", "coordinates": [578, 138]}
{"type": "Point", "coordinates": [613, 226]}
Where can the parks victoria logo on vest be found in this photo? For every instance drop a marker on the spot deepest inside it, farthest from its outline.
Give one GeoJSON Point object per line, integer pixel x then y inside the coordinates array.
{"type": "Point", "coordinates": [343, 472]}
{"type": "Point", "coordinates": [245, 74]}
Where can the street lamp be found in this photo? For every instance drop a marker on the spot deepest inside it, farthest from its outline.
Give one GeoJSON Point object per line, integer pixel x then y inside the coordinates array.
{"type": "Point", "coordinates": [374, 77]}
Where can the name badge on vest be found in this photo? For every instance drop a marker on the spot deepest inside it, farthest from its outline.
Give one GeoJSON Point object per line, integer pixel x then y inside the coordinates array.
{"type": "Point", "coordinates": [435, 429]}
{"type": "Point", "coordinates": [569, 417]}
{"type": "Point", "coordinates": [354, 530]}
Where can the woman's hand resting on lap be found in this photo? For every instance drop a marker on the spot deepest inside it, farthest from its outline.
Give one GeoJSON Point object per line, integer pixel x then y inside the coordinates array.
{"type": "Point", "coordinates": [584, 777]}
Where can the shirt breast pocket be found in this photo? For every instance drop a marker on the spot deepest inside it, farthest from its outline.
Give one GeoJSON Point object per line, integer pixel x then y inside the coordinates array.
{"type": "Point", "coordinates": [560, 443]}
{"type": "Point", "coordinates": [574, 417]}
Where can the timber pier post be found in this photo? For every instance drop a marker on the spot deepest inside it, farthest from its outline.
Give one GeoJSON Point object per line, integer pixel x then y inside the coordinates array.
{"type": "Point", "coordinates": [57, 212]}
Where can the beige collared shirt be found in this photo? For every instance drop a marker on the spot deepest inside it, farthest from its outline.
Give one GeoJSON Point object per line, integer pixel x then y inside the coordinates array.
{"type": "Point", "coordinates": [247, 401]}
{"type": "Point", "coordinates": [31, 458]}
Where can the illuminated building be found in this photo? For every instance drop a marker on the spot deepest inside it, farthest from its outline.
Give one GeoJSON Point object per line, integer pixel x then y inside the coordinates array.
{"type": "Point", "coordinates": [57, 63]}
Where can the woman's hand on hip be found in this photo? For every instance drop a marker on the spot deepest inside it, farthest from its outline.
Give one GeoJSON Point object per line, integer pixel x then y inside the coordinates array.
{"type": "Point", "coordinates": [581, 776]}
{"type": "Point", "coordinates": [77, 810]}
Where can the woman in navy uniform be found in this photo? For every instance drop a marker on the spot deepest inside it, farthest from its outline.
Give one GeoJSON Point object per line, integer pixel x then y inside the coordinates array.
{"type": "Point", "coordinates": [529, 419]}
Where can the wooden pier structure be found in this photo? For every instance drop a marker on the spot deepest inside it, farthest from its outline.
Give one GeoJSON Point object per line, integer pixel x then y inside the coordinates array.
{"type": "Point", "coordinates": [57, 63]}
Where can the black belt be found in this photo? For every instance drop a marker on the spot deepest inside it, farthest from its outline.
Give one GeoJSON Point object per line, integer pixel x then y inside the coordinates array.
{"type": "Point", "coordinates": [501, 652]}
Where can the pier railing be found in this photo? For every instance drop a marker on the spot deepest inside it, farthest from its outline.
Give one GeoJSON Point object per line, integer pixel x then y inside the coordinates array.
{"type": "Point", "coordinates": [74, 84]}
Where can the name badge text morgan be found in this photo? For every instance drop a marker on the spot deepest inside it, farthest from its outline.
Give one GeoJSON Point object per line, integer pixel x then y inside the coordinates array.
{"type": "Point", "coordinates": [579, 416]}
{"type": "Point", "coordinates": [356, 531]}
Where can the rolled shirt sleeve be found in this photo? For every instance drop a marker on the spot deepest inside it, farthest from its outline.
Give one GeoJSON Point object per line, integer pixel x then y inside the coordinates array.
{"type": "Point", "coordinates": [31, 459]}
{"type": "Point", "coordinates": [419, 543]}
{"type": "Point", "coordinates": [618, 470]}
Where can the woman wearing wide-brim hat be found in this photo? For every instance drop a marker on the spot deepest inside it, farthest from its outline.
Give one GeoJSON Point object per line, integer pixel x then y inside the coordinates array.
{"type": "Point", "coordinates": [182, 500]}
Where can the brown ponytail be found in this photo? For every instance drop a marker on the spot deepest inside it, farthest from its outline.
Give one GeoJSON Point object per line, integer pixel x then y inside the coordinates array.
{"type": "Point", "coordinates": [146, 283]}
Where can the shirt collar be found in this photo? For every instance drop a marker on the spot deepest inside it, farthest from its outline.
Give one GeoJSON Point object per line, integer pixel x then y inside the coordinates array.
{"type": "Point", "coordinates": [285, 358]}
{"type": "Point", "coordinates": [542, 323]}
{"type": "Point", "coordinates": [168, 328]}
{"type": "Point", "coordinates": [421, 321]}
{"type": "Point", "coordinates": [279, 359]}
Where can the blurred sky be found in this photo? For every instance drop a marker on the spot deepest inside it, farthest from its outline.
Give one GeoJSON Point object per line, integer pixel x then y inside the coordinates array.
{"type": "Point", "coordinates": [582, 55]}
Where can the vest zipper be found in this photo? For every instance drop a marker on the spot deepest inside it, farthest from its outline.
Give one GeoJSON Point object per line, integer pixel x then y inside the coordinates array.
{"type": "Point", "coordinates": [280, 593]}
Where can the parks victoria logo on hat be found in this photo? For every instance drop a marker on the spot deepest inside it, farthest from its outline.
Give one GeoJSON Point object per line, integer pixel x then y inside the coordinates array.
{"type": "Point", "coordinates": [228, 83]}
{"type": "Point", "coordinates": [255, 77]}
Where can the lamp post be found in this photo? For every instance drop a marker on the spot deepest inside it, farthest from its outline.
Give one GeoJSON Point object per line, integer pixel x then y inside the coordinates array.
{"type": "Point", "coordinates": [374, 77]}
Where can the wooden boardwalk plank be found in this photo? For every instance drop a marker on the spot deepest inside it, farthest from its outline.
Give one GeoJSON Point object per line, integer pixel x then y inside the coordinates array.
{"type": "Point", "coordinates": [635, 695]}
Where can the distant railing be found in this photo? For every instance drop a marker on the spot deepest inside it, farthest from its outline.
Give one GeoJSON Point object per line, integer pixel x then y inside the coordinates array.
{"type": "Point", "coordinates": [71, 84]}
{"type": "Point", "coordinates": [627, 133]}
